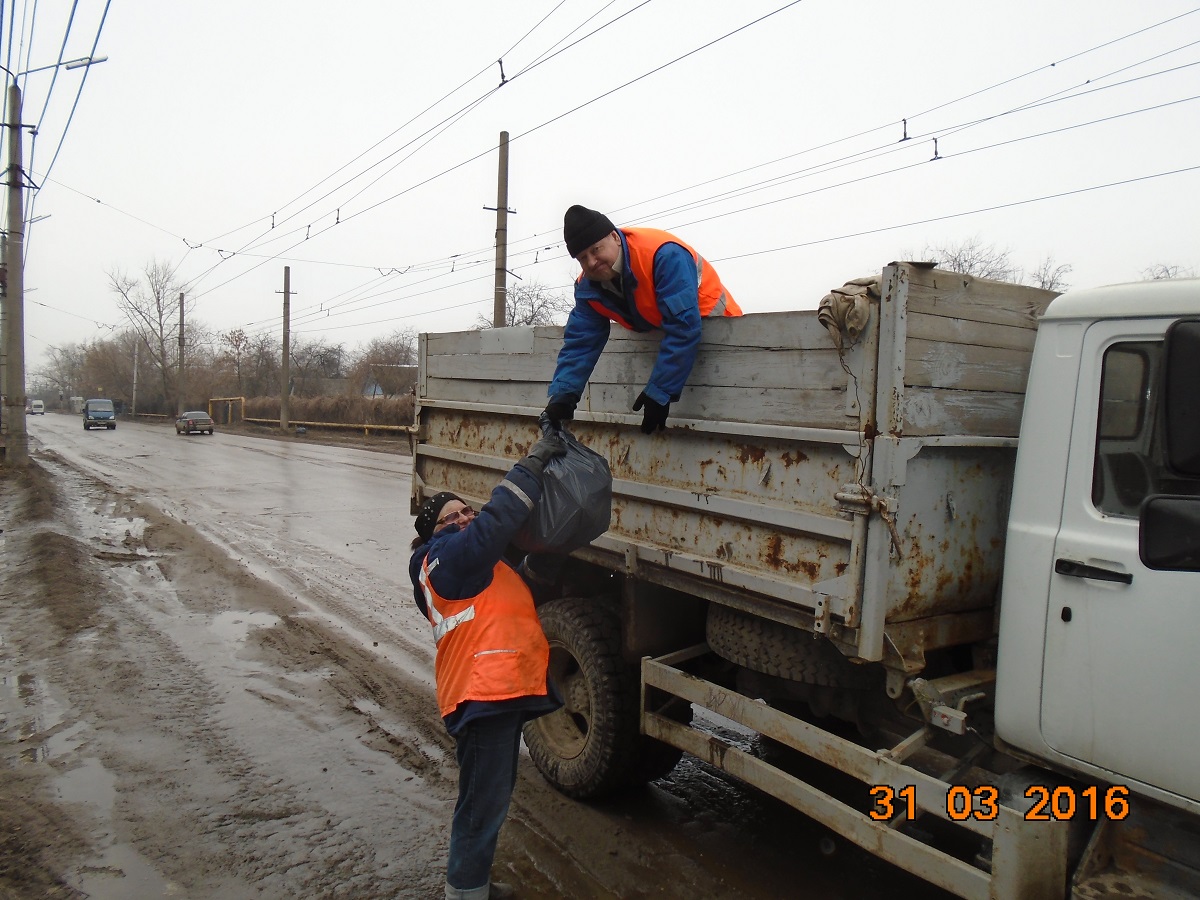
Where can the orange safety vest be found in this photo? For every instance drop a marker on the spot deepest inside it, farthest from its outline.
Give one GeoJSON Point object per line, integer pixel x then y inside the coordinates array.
{"type": "Point", "coordinates": [642, 244]}
{"type": "Point", "coordinates": [490, 646]}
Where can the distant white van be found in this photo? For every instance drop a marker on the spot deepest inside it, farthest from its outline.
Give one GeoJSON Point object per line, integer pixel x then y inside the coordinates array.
{"type": "Point", "coordinates": [37, 408]}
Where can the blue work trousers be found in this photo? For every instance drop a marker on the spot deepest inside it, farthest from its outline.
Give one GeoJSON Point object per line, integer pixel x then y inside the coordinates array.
{"type": "Point", "coordinates": [488, 749]}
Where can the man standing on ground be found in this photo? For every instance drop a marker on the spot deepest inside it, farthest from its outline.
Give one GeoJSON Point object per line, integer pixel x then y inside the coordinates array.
{"type": "Point", "coordinates": [492, 657]}
{"type": "Point", "coordinates": [642, 279]}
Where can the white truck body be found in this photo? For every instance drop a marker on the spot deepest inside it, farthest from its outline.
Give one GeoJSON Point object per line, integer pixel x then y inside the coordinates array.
{"type": "Point", "coordinates": [826, 523]}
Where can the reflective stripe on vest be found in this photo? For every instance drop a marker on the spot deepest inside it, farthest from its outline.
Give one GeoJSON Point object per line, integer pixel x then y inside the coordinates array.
{"type": "Point", "coordinates": [441, 624]}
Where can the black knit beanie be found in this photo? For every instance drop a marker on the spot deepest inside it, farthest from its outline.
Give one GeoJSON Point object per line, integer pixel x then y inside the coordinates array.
{"type": "Point", "coordinates": [428, 516]}
{"type": "Point", "coordinates": [582, 227]}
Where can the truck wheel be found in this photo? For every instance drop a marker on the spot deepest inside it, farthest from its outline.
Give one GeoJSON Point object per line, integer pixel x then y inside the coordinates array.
{"type": "Point", "coordinates": [592, 746]}
{"type": "Point", "coordinates": [763, 645]}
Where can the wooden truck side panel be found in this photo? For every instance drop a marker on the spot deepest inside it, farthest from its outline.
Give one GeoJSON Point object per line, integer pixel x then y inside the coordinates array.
{"type": "Point", "coordinates": [860, 490]}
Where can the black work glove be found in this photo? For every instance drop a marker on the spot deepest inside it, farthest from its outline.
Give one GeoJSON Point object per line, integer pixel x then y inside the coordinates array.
{"type": "Point", "coordinates": [548, 447]}
{"type": "Point", "coordinates": [561, 408]}
{"type": "Point", "coordinates": [655, 416]}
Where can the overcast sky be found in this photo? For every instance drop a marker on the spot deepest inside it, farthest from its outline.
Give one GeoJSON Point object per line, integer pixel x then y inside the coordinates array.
{"type": "Point", "coordinates": [356, 143]}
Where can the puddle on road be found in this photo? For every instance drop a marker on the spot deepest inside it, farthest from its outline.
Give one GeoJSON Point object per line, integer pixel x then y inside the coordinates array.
{"type": "Point", "coordinates": [26, 703]}
{"type": "Point", "coordinates": [119, 872]}
{"type": "Point", "coordinates": [88, 783]}
{"type": "Point", "coordinates": [122, 873]}
{"type": "Point", "coordinates": [235, 625]}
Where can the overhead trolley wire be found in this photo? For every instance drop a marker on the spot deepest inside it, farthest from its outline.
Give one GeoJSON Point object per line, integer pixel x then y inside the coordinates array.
{"type": "Point", "coordinates": [896, 122]}
{"type": "Point", "coordinates": [483, 153]}
{"type": "Point", "coordinates": [824, 240]}
{"type": "Point", "coordinates": [957, 215]}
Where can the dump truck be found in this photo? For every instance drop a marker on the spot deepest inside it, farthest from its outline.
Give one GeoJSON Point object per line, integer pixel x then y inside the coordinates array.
{"type": "Point", "coordinates": [939, 533]}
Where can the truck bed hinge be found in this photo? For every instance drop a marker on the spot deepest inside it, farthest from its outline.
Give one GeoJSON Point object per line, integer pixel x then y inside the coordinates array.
{"type": "Point", "coordinates": [860, 496]}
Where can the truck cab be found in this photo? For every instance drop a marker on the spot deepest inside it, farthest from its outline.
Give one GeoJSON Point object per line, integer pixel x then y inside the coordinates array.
{"type": "Point", "coordinates": [1101, 591]}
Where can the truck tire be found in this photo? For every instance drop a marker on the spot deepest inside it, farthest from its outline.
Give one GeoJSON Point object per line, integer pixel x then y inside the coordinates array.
{"type": "Point", "coordinates": [770, 647]}
{"type": "Point", "coordinates": [592, 747]}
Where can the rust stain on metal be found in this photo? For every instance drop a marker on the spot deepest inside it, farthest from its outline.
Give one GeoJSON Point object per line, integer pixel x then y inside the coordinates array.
{"type": "Point", "coordinates": [840, 568]}
{"type": "Point", "coordinates": [775, 559]}
{"type": "Point", "coordinates": [793, 458]}
{"type": "Point", "coordinates": [750, 454]}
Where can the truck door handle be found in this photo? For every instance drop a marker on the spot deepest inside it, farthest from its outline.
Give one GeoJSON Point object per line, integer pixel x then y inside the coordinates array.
{"type": "Point", "coordinates": [1083, 570]}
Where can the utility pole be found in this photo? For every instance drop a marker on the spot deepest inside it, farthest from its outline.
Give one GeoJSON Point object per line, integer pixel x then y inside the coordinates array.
{"type": "Point", "coordinates": [286, 368]}
{"type": "Point", "coordinates": [501, 295]}
{"type": "Point", "coordinates": [3, 324]}
{"type": "Point", "coordinates": [182, 386]}
{"type": "Point", "coordinates": [133, 401]}
{"type": "Point", "coordinates": [16, 448]}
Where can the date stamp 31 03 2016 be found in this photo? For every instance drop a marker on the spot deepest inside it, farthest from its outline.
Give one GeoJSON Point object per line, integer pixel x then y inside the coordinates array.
{"type": "Point", "coordinates": [1049, 803]}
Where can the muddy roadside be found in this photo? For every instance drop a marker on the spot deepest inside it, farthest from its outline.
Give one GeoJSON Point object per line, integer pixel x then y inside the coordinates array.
{"type": "Point", "coordinates": [172, 726]}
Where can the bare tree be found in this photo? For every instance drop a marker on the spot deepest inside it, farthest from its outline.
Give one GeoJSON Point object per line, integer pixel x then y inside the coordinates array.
{"type": "Point", "coordinates": [973, 257]}
{"type": "Point", "coordinates": [264, 353]}
{"type": "Point", "coordinates": [315, 363]}
{"type": "Point", "coordinates": [1049, 276]}
{"type": "Point", "coordinates": [63, 369]}
{"type": "Point", "coordinates": [151, 303]}
{"type": "Point", "coordinates": [387, 364]}
{"type": "Point", "coordinates": [1162, 272]}
{"type": "Point", "coordinates": [532, 304]}
{"type": "Point", "coordinates": [237, 348]}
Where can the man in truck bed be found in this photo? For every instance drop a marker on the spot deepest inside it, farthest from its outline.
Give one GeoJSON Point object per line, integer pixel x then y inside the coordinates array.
{"type": "Point", "coordinates": [640, 278]}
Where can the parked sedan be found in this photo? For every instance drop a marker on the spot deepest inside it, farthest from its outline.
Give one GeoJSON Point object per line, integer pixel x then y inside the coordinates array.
{"type": "Point", "coordinates": [194, 421]}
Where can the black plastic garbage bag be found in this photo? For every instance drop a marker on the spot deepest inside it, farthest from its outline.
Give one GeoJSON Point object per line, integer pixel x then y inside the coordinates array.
{"type": "Point", "coordinates": [576, 502]}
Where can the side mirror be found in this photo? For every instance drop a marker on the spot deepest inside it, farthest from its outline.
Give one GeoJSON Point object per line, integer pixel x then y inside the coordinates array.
{"type": "Point", "coordinates": [1181, 397]}
{"type": "Point", "coordinates": [1169, 533]}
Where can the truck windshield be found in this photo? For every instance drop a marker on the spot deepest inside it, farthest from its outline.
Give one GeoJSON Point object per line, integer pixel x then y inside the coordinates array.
{"type": "Point", "coordinates": [100, 406]}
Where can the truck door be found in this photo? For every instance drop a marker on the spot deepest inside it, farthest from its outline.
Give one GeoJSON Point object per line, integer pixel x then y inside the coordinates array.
{"type": "Point", "coordinates": [1121, 671]}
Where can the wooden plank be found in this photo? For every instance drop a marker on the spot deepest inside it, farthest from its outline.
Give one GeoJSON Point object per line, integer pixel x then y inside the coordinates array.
{"type": "Point", "coordinates": [958, 296]}
{"type": "Point", "coordinates": [964, 331]}
{"type": "Point", "coordinates": [733, 368]}
{"type": "Point", "coordinates": [965, 367]}
{"type": "Point", "coordinates": [493, 367]}
{"type": "Point", "coordinates": [771, 406]}
{"type": "Point", "coordinates": [794, 329]}
{"type": "Point", "coordinates": [716, 365]}
{"type": "Point", "coordinates": [929, 411]}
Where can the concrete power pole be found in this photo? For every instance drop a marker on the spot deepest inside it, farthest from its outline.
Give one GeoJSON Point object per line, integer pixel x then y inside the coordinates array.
{"type": "Point", "coordinates": [500, 302]}
{"type": "Point", "coordinates": [3, 325]}
{"type": "Point", "coordinates": [16, 447]}
{"type": "Point", "coordinates": [182, 386]}
{"type": "Point", "coordinates": [285, 374]}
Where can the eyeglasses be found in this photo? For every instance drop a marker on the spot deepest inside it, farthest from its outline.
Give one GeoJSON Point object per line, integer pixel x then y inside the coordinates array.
{"type": "Point", "coordinates": [450, 518]}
